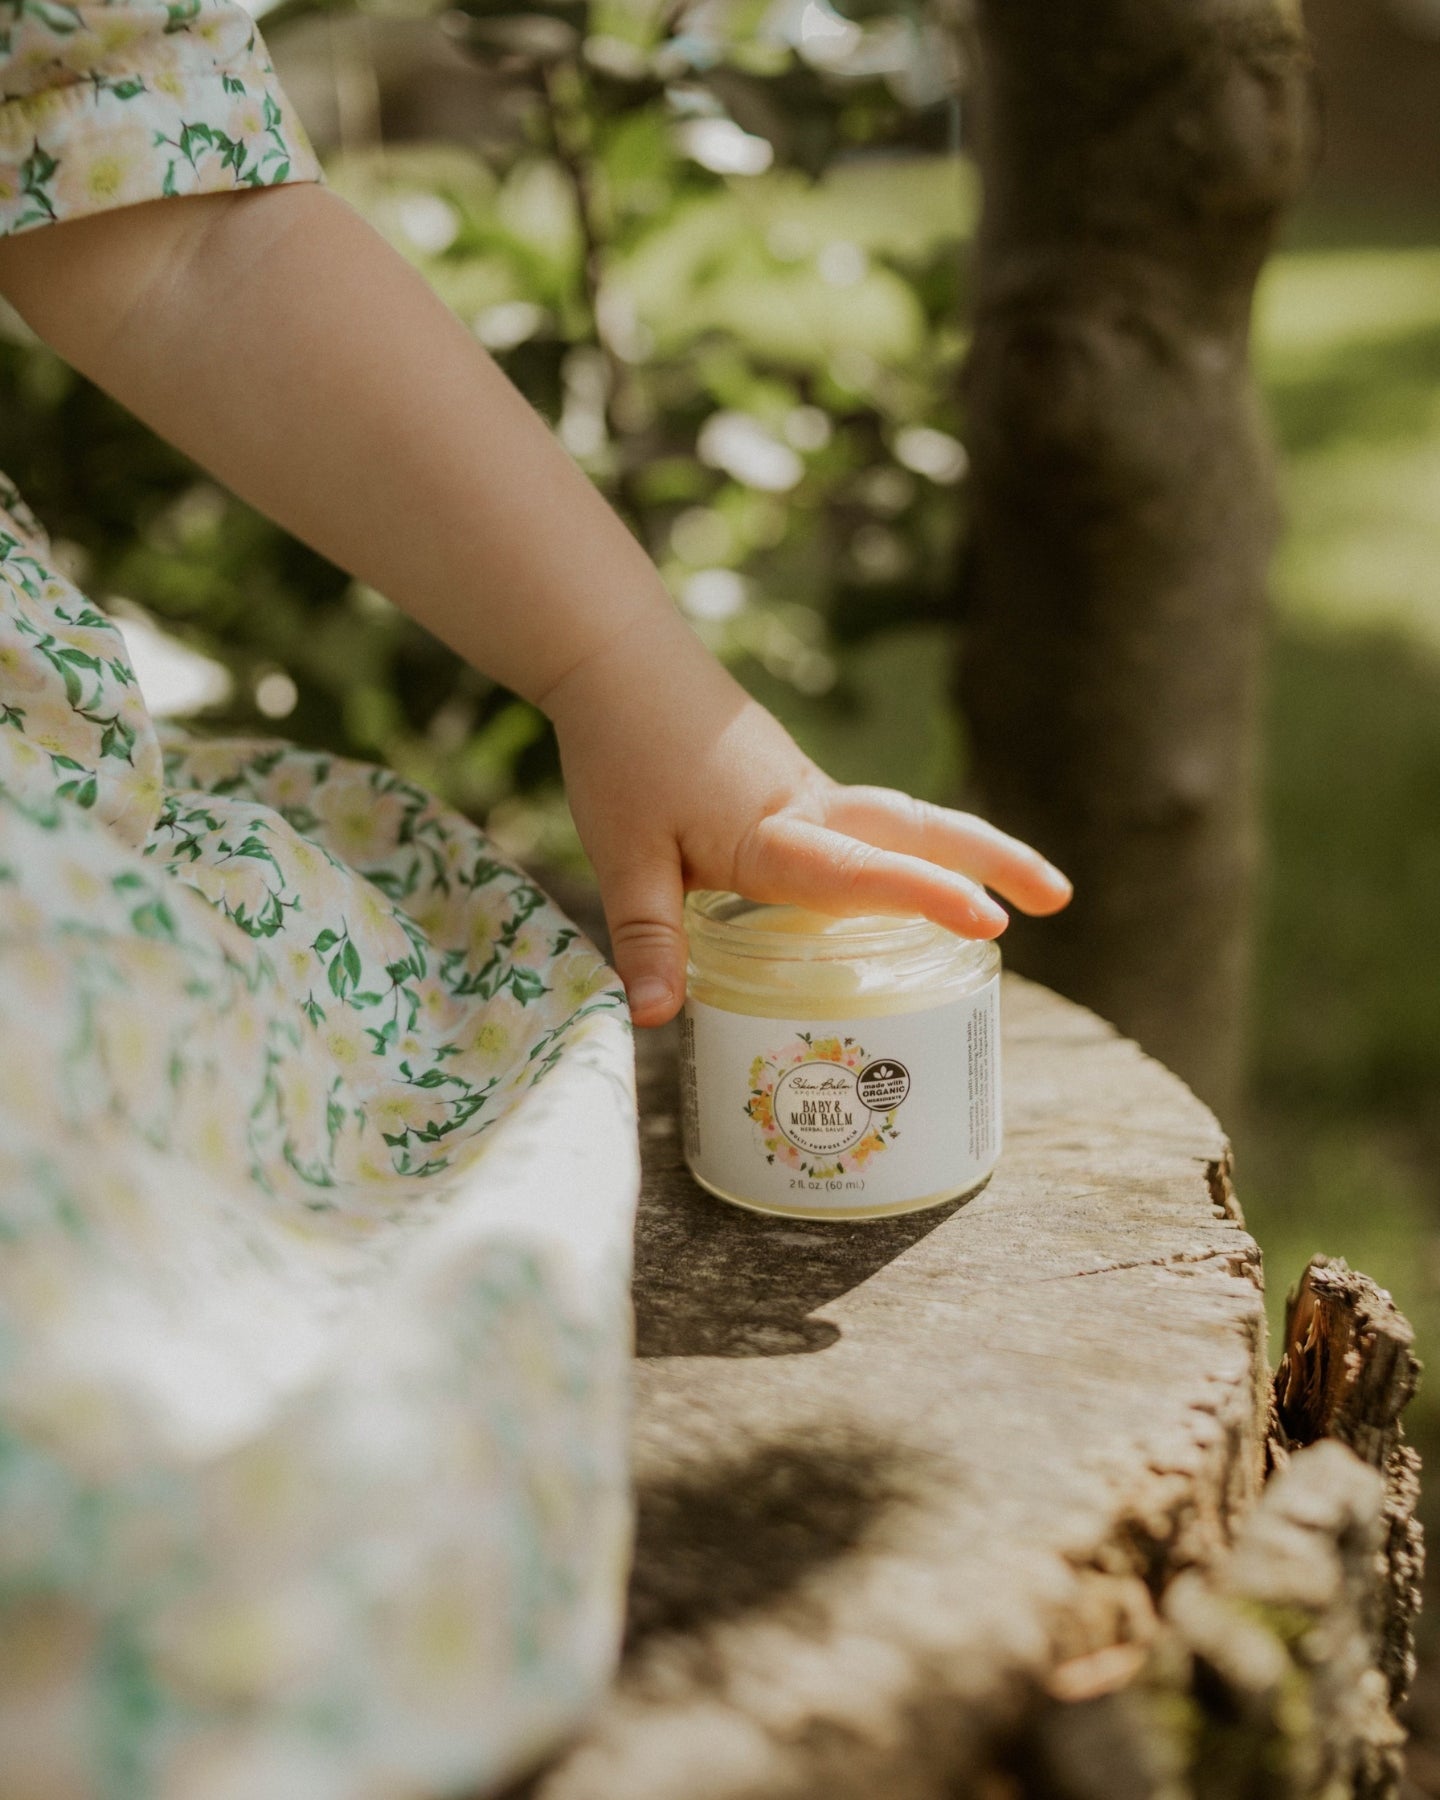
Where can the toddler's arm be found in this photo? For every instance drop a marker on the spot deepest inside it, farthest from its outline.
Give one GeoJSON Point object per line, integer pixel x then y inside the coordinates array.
{"type": "Point", "coordinates": [279, 341]}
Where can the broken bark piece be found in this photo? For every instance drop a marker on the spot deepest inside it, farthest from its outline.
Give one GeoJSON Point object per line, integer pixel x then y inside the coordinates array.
{"type": "Point", "coordinates": [1348, 1370]}
{"type": "Point", "coordinates": [1348, 1367]}
{"type": "Point", "coordinates": [1263, 1681]}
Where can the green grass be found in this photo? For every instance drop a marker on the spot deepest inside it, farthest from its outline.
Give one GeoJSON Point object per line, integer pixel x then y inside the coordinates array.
{"type": "Point", "coordinates": [1341, 1149]}
{"type": "Point", "coordinates": [1350, 353]}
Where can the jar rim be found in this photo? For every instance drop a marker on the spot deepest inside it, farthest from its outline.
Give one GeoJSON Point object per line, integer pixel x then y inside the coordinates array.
{"type": "Point", "coordinates": [710, 914]}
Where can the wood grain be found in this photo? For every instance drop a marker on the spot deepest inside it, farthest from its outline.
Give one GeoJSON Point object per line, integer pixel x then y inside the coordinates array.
{"type": "Point", "coordinates": [895, 1478]}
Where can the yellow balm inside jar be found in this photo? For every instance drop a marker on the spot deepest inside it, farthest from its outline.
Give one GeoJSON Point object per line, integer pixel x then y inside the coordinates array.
{"type": "Point", "coordinates": [837, 1068]}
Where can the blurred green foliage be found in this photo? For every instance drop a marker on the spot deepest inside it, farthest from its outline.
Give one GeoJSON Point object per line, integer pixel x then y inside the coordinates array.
{"type": "Point", "coordinates": [721, 251]}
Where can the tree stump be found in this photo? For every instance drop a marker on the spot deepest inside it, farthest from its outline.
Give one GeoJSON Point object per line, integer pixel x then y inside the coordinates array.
{"type": "Point", "coordinates": [957, 1504]}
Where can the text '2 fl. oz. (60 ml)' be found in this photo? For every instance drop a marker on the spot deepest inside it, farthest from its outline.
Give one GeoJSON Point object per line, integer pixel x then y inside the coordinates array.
{"type": "Point", "coordinates": [837, 1068]}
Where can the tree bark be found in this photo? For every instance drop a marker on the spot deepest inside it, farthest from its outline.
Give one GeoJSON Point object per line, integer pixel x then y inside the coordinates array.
{"type": "Point", "coordinates": [1136, 157]}
{"type": "Point", "coordinates": [1348, 1371]}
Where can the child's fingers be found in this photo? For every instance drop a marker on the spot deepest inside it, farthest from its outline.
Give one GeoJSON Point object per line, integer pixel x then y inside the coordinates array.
{"type": "Point", "coordinates": [792, 860]}
{"type": "Point", "coordinates": [644, 911]}
{"type": "Point", "coordinates": [955, 840]}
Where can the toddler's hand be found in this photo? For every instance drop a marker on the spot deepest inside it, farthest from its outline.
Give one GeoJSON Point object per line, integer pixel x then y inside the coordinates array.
{"type": "Point", "coordinates": [678, 780]}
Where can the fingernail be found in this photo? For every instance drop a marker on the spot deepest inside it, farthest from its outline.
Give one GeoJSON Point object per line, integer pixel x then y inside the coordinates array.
{"type": "Point", "coordinates": [989, 914]}
{"type": "Point", "coordinates": [648, 994]}
{"type": "Point", "coordinates": [1059, 878]}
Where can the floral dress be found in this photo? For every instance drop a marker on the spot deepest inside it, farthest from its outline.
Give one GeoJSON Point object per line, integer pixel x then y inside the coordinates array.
{"type": "Point", "coordinates": [317, 1165]}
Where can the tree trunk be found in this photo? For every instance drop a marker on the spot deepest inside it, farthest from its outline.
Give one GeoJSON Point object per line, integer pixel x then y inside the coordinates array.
{"type": "Point", "coordinates": [1136, 157]}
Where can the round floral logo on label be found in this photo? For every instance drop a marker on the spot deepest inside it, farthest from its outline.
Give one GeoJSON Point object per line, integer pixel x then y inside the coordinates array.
{"type": "Point", "coordinates": [821, 1106]}
{"type": "Point", "coordinates": [817, 1107]}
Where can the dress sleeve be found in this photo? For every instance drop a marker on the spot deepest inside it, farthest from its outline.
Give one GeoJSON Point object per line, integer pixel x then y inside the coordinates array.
{"type": "Point", "coordinates": [104, 103]}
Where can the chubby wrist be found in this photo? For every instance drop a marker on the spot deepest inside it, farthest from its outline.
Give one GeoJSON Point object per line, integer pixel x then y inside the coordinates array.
{"type": "Point", "coordinates": [652, 658]}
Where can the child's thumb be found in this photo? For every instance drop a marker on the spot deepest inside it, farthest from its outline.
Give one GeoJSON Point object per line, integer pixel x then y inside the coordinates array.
{"type": "Point", "coordinates": [644, 908]}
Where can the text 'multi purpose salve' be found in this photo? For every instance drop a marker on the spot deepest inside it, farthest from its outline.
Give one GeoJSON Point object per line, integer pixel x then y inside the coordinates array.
{"type": "Point", "coordinates": [837, 1068]}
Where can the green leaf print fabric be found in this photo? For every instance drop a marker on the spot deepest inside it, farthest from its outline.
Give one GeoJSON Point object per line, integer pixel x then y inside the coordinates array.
{"type": "Point", "coordinates": [317, 1170]}
{"type": "Point", "coordinates": [104, 103]}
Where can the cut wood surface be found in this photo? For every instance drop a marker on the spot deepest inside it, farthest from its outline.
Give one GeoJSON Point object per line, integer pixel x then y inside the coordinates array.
{"type": "Point", "coordinates": [897, 1478]}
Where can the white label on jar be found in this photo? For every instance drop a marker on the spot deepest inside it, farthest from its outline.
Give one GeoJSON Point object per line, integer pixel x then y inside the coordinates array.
{"type": "Point", "coordinates": [851, 1114]}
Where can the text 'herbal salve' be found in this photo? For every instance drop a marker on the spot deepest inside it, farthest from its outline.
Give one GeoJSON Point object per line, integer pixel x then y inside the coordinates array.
{"type": "Point", "coordinates": [837, 1068]}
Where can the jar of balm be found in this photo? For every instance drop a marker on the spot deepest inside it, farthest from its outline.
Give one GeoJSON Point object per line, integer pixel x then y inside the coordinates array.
{"type": "Point", "coordinates": [837, 1068]}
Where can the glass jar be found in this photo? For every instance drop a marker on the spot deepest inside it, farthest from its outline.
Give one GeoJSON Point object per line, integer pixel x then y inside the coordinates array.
{"type": "Point", "coordinates": [837, 1068]}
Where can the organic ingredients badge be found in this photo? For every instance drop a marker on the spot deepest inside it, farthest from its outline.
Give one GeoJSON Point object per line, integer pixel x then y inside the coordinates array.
{"type": "Point", "coordinates": [823, 1106]}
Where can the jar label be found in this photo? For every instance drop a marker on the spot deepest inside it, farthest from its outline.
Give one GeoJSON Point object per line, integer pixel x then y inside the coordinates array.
{"type": "Point", "coordinates": [848, 1116]}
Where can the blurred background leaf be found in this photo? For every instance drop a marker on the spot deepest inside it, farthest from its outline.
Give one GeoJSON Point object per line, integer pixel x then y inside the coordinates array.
{"type": "Point", "coordinates": [720, 247]}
